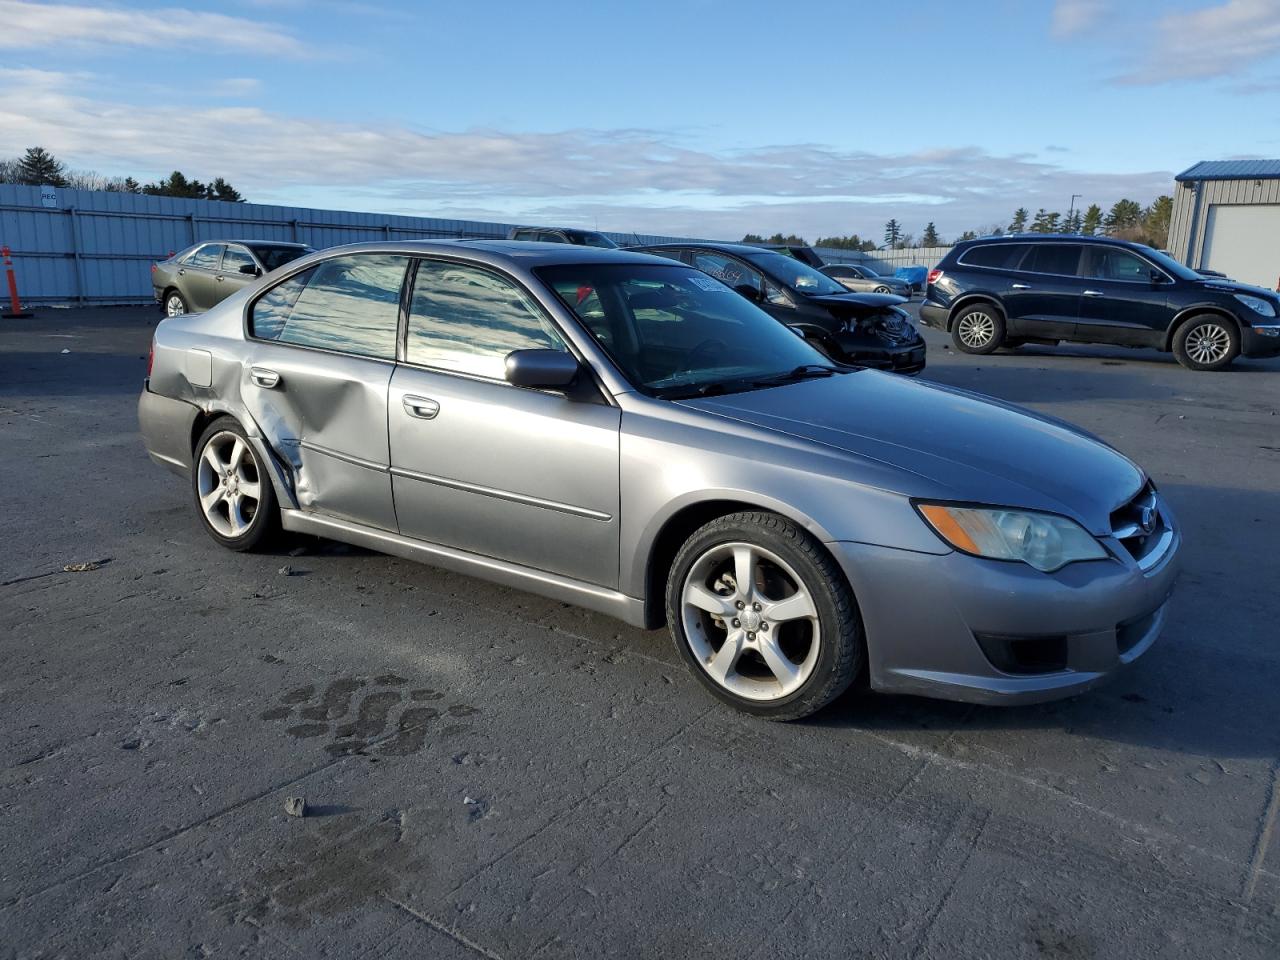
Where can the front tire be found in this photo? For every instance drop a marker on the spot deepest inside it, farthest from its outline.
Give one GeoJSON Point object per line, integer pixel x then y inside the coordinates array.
{"type": "Point", "coordinates": [763, 616]}
{"type": "Point", "coordinates": [232, 488]}
{"type": "Point", "coordinates": [978, 329]}
{"type": "Point", "coordinates": [1206, 342]}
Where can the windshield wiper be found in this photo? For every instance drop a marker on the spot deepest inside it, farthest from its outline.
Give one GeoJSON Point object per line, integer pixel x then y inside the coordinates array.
{"type": "Point", "coordinates": [806, 371]}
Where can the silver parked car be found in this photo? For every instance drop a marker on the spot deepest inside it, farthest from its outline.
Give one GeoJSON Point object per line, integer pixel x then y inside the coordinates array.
{"type": "Point", "coordinates": [627, 433]}
{"type": "Point", "coordinates": [862, 279]}
{"type": "Point", "coordinates": [205, 274]}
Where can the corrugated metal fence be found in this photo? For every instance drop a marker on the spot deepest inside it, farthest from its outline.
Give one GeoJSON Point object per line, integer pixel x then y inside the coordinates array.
{"type": "Point", "coordinates": [96, 247]}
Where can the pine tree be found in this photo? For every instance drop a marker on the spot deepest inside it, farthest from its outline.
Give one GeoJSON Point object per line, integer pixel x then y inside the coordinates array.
{"type": "Point", "coordinates": [753, 238]}
{"type": "Point", "coordinates": [41, 168]}
{"type": "Point", "coordinates": [221, 190]}
{"type": "Point", "coordinates": [1124, 213]}
{"type": "Point", "coordinates": [1019, 222]}
{"type": "Point", "coordinates": [1045, 221]}
{"type": "Point", "coordinates": [1073, 222]}
{"type": "Point", "coordinates": [1092, 221]}
{"type": "Point", "coordinates": [967, 235]}
{"type": "Point", "coordinates": [1155, 221]}
{"type": "Point", "coordinates": [930, 237]}
{"type": "Point", "coordinates": [892, 234]}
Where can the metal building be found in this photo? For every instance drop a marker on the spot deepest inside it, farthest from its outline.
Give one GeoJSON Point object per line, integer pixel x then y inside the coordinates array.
{"type": "Point", "coordinates": [1226, 217]}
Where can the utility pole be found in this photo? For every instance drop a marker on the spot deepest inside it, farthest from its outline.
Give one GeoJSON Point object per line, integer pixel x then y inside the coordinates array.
{"type": "Point", "coordinates": [1072, 209]}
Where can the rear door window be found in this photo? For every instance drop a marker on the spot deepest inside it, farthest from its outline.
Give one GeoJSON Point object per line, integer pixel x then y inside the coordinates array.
{"type": "Point", "coordinates": [1004, 256]}
{"type": "Point", "coordinates": [349, 304]}
{"type": "Point", "coordinates": [1057, 259]}
{"type": "Point", "coordinates": [205, 258]}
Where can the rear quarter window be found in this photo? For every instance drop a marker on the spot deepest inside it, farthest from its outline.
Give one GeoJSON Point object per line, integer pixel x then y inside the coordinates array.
{"type": "Point", "coordinates": [999, 255]}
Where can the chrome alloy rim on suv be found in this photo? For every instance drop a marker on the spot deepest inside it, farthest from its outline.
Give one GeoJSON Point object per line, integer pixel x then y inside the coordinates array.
{"type": "Point", "coordinates": [976, 329]}
{"type": "Point", "coordinates": [750, 621]}
{"type": "Point", "coordinates": [1208, 343]}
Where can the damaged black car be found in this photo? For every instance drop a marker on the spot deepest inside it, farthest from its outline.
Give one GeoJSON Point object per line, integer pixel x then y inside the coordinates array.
{"type": "Point", "coordinates": [867, 329]}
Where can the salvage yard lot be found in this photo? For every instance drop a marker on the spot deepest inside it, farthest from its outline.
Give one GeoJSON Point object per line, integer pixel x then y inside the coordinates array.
{"type": "Point", "coordinates": [536, 780]}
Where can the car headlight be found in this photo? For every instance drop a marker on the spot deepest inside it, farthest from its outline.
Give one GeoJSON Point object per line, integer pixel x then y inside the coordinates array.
{"type": "Point", "coordinates": [1257, 304]}
{"type": "Point", "coordinates": [1042, 540]}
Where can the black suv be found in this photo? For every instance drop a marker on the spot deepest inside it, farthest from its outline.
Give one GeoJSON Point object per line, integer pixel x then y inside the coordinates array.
{"type": "Point", "coordinates": [1006, 291]}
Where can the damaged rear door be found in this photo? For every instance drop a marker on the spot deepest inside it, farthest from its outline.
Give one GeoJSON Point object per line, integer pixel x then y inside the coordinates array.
{"type": "Point", "coordinates": [321, 353]}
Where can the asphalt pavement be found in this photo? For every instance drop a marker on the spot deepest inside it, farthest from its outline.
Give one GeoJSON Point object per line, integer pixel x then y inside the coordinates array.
{"type": "Point", "coordinates": [538, 781]}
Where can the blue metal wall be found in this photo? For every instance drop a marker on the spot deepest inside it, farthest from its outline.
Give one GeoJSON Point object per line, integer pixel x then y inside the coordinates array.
{"type": "Point", "coordinates": [97, 247]}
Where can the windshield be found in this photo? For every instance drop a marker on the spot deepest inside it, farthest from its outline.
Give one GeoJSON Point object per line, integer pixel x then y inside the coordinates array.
{"type": "Point", "coordinates": [1170, 265]}
{"type": "Point", "coordinates": [585, 238]}
{"type": "Point", "coordinates": [797, 276]}
{"type": "Point", "coordinates": [273, 257]}
{"type": "Point", "coordinates": [675, 332]}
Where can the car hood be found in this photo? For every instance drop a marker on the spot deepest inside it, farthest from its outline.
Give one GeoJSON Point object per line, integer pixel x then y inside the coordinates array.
{"type": "Point", "coordinates": [1231, 286]}
{"type": "Point", "coordinates": [843, 304]}
{"type": "Point", "coordinates": [949, 443]}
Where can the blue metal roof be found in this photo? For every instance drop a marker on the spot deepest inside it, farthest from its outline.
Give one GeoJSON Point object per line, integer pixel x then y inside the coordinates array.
{"type": "Point", "coordinates": [1231, 170]}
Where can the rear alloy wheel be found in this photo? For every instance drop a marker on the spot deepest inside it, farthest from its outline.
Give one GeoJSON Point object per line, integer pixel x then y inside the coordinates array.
{"type": "Point", "coordinates": [763, 616]}
{"type": "Point", "coordinates": [232, 490]}
{"type": "Point", "coordinates": [174, 304]}
{"type": "Point", "coordinates": [1206, 343]}
{"type": "Point", "coordinates": [881, 289]}
{"type": "Point", "coordinates": [978, 329]}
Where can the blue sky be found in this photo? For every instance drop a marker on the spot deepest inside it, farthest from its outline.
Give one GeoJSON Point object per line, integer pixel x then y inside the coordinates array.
{"type": "Point", "coordinates": [703, 116]}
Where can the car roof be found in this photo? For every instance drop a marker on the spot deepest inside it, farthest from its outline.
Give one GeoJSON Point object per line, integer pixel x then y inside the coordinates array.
{"type": "Point", "coordinates": [1051, 237]}
{"type": "Point", "coordinates": [525, 253]}
{"type": "Point", "coordinates": [742, 249]}
{"type": "Point", "coordinates": [252, 243]}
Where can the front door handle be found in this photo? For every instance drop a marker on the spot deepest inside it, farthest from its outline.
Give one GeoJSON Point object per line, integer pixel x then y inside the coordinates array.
{"type": "Point", "coordinates": [1021, 286]}
{"type": "Point", "coordinates": [264, 377]}
{"type": "Point", "coordinates": [423, 408]}
{"type": "Point", "coordinates": [1094, 293]}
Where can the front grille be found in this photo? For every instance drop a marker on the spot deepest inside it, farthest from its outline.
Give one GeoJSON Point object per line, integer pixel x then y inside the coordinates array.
{"type": "Point", "coordinates": [1142, 528]}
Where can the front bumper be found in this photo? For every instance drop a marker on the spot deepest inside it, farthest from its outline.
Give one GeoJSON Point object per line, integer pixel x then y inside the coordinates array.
{"type": "Point", "coordinates": [924, 615]}
{"type": "Point", "coordinates": [1255, 343]}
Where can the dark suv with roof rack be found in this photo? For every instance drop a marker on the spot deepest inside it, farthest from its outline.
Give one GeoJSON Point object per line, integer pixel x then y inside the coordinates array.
{"type": "Point", "coordinates": [1044, 288]}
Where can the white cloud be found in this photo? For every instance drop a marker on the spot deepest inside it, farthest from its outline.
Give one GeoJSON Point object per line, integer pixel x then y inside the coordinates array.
{"type": "Point", "coordinates": [237, 86]}
{"type": "Point", "coordinates": [625, 179]}
{"type": "Point", "coordinates": [1222, 40]}
{"type": "Point", "coordinates": [25, 25]}
{"type": "Point", "coordinates": [1072, 17]}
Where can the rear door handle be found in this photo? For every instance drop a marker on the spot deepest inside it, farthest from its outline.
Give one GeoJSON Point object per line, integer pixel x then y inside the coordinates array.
{"type": "Point", "coordinates": [264, 377]}
{"type": "Point", "coordinates": [1021, 286]}
{"type": "Point", "coordinates": [219, 278]}
{"type": "Point", "coordinates": [424, 408]}
{"type": "Point", "coordinates": [1094, 293]}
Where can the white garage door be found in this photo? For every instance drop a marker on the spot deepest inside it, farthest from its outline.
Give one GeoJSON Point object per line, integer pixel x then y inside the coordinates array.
{"type": "Point", "coordinates": [1243, 241]}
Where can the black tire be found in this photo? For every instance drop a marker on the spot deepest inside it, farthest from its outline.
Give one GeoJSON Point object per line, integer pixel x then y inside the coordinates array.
{"type": "Point", "coordinates": [174, 296]}
{"type": "Point", "coordinates": [978, 328]}
{"type": "Point", "coordinates": [243, 529]}
{"type": "Point", "coordinates": [1206, 342]}
{"type": "Point", "coordinates": [823, 674]}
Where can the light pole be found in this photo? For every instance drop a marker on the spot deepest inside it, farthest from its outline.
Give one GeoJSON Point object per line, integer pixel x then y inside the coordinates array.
{"type": "Point", "coordinates": [1071, 211]}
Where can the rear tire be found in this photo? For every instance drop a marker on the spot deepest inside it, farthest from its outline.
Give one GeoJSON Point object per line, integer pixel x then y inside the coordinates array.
{"type": "Point", "coordinates": [175, 304]}
{"type": "Point", "coordinates": [1206, 342]}
{"type": "Point", "coordinates": [881, 289]}
{"type": "Point", "coordinates": [232, 488]}
{"type": "Point", "coordinates": [978, 329]}
{"type": "Point", "coordinates": [763, 616]}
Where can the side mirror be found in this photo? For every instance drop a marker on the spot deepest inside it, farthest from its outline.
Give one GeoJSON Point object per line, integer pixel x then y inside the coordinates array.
{"type": "Point", "coordinates": [748, 290]}
{"type": "Point", "coordinates": [542, 369]}
{"type": "Point", "coordinates": [250, 269]}
{"type": "Point", "coordinates": [1158, 278]}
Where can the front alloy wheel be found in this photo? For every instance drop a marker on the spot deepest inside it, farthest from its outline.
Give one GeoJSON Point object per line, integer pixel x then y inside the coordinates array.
{"type": "Point", "coordinates": [1206, 343]}
{"type": "Point", "coordinates": [764, 616]}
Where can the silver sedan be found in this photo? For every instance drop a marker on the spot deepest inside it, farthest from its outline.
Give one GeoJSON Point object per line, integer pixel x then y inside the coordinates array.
{"type": "Point", "coordinates": [626, 433]}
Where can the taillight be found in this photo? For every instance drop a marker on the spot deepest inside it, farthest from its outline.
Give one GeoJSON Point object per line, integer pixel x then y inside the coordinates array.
{"type": "Point", "coordinates": [151, 357]}
{"type": "Point", "coordinates": [935, 275]}
{"type": "Point", "coordinates": [153, 267]}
